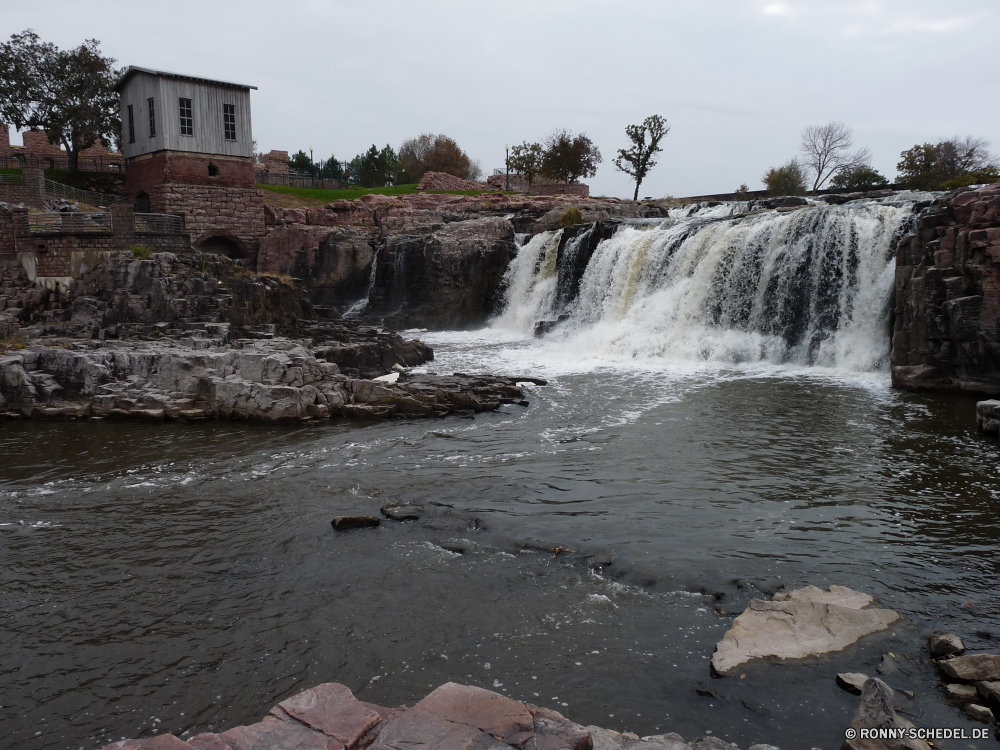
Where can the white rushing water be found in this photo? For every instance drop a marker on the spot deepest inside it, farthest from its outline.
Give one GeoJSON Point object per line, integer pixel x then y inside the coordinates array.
{"type": "Point", "coordinates": [809, 287]}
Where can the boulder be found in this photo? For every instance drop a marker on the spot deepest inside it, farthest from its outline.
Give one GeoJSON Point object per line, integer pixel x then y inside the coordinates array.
{"type": "Point", "coordinates": [490, 712]}
{"type": "Point", "coordinates": [962, 694]}
{"type": "Point", "coordinates": [416, 729]}
{"type": "Point", "coordinates": [875, 711]}
{"type": "Point", "coordinates": [553, 731]}
{"type": "Point", "coordinates": [277, 734]}
{"type": "Point", "coordinates": [332, 709]}
{"type": "Point", "coordinates": [396, 512]}
{"type": "Point", "coordinates": [973, 668]}
{"type": "Point", "coordinates": [980, 713]}
{"type": "Point", "coordinates": [800, 623]}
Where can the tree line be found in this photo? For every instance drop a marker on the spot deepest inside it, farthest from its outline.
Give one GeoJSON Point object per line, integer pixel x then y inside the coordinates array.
{"type": "Point", "coordinates": [827, 154]}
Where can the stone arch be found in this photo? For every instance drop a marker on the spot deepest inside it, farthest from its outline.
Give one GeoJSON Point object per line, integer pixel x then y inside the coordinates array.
{"type": "Point", "coordinates": [222, 244]}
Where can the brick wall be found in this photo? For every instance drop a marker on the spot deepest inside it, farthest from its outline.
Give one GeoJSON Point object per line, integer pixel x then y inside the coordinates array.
{"type": "Point", "coordinates": [20, 192]}
{"type": "Point", "coordinates": [275, 162]}
{"type": "Point", "coordinates": [539, 186]}
{"type": "Point", "coordinates": [36, 146]}
{"type": "Point", "coordinates": [145, 172]}
{"type": "Point", "coordinates": [230, 212]}
{"type": "Point", "coordinates": [8, 248]}
{"type": "Point", "coordinates": [445, 181]}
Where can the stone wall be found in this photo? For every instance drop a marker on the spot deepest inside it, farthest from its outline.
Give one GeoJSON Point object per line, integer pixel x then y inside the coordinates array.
{"type": "Point", "coordinates": [183, 168]}
{"type": "Point", "coordinates": [275, 162]}
{"type": "Point", "coordinates": [539, 186]}
{"type": "Point", "coordinates": [235, 214]}
{"type": "Point", "coordinates": [29, 192]}
{"type": "Point", "coordinates": [946, 331]}
{"type": "Point", "coordinates": [445, 181]}
{"type": "Point", "coordinates": [38, 151]}
{"type": "Point", "coordinates": [8, 247]}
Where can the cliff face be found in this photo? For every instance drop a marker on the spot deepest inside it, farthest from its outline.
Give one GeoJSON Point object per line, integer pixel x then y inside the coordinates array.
{"type": "Point", "coordinates": [946, 331]}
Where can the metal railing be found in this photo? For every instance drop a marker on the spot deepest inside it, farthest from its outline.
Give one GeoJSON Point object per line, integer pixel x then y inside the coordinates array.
{"type": "Point", "coordinates": [90, 197]}
{"type": "Point", "coordinates": [10, 179]}
{"type": "Point", "coordinates": [297, 180]}
{"type": "Point", "coordinates": [77, 222]}
{"type": "Point", "coordinates": [159, 223]}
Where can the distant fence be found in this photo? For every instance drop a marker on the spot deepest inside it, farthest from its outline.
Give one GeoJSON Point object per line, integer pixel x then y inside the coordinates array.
{"type": "Point", "coordinates": [159, 223]}
{"type": "Point", "coordinates": [84, 163]}
{"type": "Point", "coordinates": [297, 180]}
{"type": "Point", "coordinates": [54, 222]}
{"type": "Point", "coordinates": [91, 198]}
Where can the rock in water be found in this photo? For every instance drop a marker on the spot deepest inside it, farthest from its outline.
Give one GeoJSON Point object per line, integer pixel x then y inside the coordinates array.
{"type": "Point", "coordinates": [962, 694]}
{"type": "Point", "coordinates": [343, 523]}
{"type": "Point", "coordinates": [875, 711]}
{"type": "Point", "coordinates": [946, 644]}
{"type": "Point", "coordinates": [800, 623]}
{"type": "Point", "coordinates": [972, 668]}
{"type": "Point", "coordinates": [980, 713]}
{"type": "Point", "coordinates": [852, 682]}
{"type": "Point", "coordinates": [396, 512]}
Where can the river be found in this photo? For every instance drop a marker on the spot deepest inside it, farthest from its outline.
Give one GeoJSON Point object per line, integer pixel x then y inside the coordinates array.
{"type": "Point", "coordinates": [185, 577]}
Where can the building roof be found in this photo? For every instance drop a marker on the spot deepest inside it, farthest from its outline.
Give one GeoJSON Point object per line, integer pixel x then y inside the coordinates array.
{"type": "Point", "coordinates": [133, 69]}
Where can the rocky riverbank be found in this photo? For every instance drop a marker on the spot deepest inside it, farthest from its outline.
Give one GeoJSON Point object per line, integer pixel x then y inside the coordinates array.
{"type": "Point", "coordinates": [452, 717]}
{"type": "Point", "coordinates": [196, 337]}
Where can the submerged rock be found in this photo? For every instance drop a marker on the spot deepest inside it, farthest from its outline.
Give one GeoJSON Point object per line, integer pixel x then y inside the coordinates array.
{"type": "Point", "coordinates": [396, 512]}
{"type": "Point", "coordinates": [345, 523]}
{"type": "Point", "coordinates": [800, 623]}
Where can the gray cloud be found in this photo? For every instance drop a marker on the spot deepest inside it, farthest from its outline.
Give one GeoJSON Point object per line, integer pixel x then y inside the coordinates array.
{"type": "Point", "coordinates": [736, 80]}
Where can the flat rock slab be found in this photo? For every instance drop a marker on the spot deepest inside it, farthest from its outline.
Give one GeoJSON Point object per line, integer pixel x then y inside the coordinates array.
{"type": "Point", "coordinates": [417, 729]}
{"type": "Point", "coordinates": [797, 624]}
{"type": "Point", "coordinates": [973, 668]}
{"type": "Point", "coordinates": [489, 712]}
{"type": "Point", "coordinates": [332, 709]}
{"type": "Point", "coordinates": [852, 682]}
{"type": "Point", "coordinates": [607, 739]}
{"type": "Point", "coordinates": [161, 742]}
{"type": "Point", "coordinates": [553, 731]}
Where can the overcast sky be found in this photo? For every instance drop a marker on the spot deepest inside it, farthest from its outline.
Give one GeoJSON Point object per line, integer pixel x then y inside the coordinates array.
{"type": "Point", "coordinates": [737, 80]}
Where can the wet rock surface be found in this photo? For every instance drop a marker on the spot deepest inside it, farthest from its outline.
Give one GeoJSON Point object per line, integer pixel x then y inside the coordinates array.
{"type": "Point", "coordinates": [800, 623]}
{"type": "Point", "coordinates": [452, 717]}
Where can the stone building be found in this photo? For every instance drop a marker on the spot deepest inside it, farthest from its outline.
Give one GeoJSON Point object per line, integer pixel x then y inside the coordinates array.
{"type": "Point", "coordinates": [36, 151]}
{"type": "Point", "coordinates": [188, 146]}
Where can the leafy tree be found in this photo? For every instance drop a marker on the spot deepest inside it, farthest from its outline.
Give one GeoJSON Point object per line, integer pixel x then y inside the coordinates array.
{"type": "Point", "coordinates": [568, 158]}
{"type": "Point", "coordinates": [301, 163]}
{"type": "Point", "coordinates": [434, 153]}
{"type": "Point", "coordinates": [376, 168]}
{"type": "Point", "coordinates": [526, 160]}
{"type": "Point", "coordinates": [858, 178]}
{"type": "Point", "coordinates": [826, 150]}
{"type": "Point", "coordinates": [70, 94]}
{"type": "Point", "coordinates": [638, 159]}
{"type": "Point", "coordinates": [955, 163]}
{"type": "Point", "coordinates": [789, 179]}
{"type": "Point", "coordinates": [742, 193]}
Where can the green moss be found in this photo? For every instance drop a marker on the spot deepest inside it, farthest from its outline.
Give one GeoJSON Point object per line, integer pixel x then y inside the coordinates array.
{"type": "Point", "coordinates": [140, 251]}
{"type": "Point", "coordinates": [572, 215]}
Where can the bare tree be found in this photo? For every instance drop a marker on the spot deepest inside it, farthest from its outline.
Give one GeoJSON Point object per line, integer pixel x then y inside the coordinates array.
{"type": "Point", "coordinates": [827, 150]}
{"type": "Point", "coordinates": [640, 158]}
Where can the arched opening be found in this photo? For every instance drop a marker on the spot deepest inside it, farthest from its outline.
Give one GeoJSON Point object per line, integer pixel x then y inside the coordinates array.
{"type": "Point", "coordinates": [213, 171]}
{"type": "Point", "coordinates": [222, 245]}
{"type": "Point", "coordinates": [142, 203]}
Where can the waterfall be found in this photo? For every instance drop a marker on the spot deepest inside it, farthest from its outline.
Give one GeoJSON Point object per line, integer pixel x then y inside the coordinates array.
{"type": "Point", "coordinates": [810, 286]}
{"type": "Point", "coordinates": [361, 305]}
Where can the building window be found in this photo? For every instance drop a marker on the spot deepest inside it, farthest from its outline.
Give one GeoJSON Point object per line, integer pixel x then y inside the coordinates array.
{"type": "Point", "coordinates": [131, 125]}
{"type": "Point", "coordinates": [152, 117]}
{"type": "Point", "coordinates": [187, 121]}
{"type": "Point", "coordinates": [213, 171]}
{"type": "Point", "coordinates": [229, 121]}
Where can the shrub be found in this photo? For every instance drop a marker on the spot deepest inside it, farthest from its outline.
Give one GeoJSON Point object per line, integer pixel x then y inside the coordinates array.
{"type": "Point", "coordinates": [789, 179]}
{"type": "Point", "coordinates": [141, 251]}
{"type": "Point", "coordinates": [742, 193]}
{"type": "Point", "coordinates": [572, 215]}
{"type": "Point", "coordinates": [859, 178]}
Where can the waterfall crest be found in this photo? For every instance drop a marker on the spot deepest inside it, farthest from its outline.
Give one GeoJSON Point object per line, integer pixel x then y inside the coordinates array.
{"type": "Point", "coordinates": [810, 286]}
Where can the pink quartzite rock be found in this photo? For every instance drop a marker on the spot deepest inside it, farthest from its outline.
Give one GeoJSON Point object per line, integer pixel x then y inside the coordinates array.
{"type": "Point", "coordinates": [975, 667]}
{"type": "Point", "coordinates": [553, 731]}
{"type": "Point", "coordinates": [273, 734]}
{"type": "Point", "coordinates": [208, 741]}
{"type": "Point", "coordinates": [416, 729]}
{"type": "Point", "coordinates": [161, 742]}
{"type": "Point", "coordinates": [491, 712]}
{"type": "Point", "coordinates": [332, 709]}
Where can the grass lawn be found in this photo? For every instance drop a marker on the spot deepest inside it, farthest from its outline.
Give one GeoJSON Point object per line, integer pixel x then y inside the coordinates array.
{"type": "Point", "coordinates": [298, 197]}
